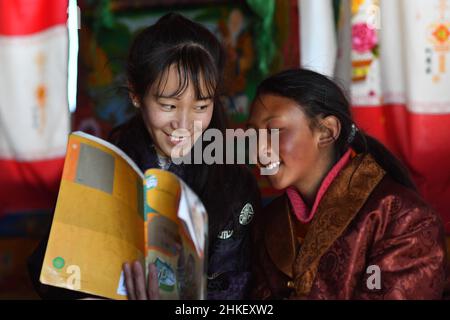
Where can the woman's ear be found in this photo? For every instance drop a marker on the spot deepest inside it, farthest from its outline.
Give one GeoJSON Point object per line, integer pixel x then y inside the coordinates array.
{"type": "Point", "coordinates": [134, 99]}
{"type": "Point", "coordinates": [330, 128]}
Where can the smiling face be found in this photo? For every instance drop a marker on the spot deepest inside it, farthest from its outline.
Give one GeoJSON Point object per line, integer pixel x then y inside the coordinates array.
{"type": "Point", "coordinates": [176, 119]}
{"type": "Point", "coordinates": [299, 153]}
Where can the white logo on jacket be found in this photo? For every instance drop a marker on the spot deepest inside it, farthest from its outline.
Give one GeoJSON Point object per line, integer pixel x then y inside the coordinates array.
{"type": "Point", "coordinates": [246, 214]}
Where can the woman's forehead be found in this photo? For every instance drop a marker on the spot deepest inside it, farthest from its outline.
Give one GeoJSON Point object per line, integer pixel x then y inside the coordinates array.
{"type": "Point", "coordinates": [175, 83]}
{"type": "Point", "coordinates": [268, 107]}
{"type": "Point", "coordinates": [269, 104]}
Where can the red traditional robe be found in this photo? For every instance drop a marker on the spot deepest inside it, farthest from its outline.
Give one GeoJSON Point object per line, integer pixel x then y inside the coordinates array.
{"type": "Point", "coordinates": [369, 238]}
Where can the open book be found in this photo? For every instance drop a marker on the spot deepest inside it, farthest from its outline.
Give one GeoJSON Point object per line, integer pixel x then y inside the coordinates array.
{"type": "Point", "coordinates": [108, 212]}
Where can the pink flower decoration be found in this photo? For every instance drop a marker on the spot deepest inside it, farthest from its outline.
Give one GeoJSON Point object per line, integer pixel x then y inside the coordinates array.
{"type": "Point", "coordinates": [364, 38]}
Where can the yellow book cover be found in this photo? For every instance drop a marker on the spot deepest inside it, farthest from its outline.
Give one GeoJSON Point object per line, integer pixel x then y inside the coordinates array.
{"type": "Point", "coordinates": [109, 212]}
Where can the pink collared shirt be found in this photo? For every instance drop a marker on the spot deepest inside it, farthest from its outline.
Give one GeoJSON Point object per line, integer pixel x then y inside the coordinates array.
{"type": "Point", "coordinates": [301, 211]}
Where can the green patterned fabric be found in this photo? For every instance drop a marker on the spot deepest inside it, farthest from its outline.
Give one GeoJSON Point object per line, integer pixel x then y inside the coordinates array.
{"type": "Point", "coordinates": [264, 27]}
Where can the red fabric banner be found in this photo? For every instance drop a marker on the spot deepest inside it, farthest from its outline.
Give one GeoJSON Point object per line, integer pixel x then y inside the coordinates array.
{"type": "Point", "coordinates": [25, 17]}
{"type": "Point", "coordinates": [421, 142]}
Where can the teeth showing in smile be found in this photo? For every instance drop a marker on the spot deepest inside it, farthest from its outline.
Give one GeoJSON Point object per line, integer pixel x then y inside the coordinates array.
{"type": "Point", "coordinates": [176, 139]}
{"type": "Point", "coordinates": [272, 165]}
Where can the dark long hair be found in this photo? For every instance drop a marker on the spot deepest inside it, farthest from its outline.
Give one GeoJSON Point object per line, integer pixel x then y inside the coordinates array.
{"type": "Point", "coordinates": [198, 56]}
{"type": "Point", "coordinates": [193, 49]}
{"type": "Point", "coordinates": [318, 96]}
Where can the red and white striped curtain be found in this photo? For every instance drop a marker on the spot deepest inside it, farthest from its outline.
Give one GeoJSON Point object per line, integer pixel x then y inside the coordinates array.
{"type": "Point", "coordinates": [34, 116]}
{"type": "Point", "coordinates": [394, 58]}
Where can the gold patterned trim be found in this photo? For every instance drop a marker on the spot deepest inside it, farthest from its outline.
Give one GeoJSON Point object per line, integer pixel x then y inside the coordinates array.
{"type": "Point", "coordinates": [340, 204]}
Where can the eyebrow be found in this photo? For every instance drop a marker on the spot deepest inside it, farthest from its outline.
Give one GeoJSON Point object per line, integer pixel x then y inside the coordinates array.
{"type": "Point", "coordinates": [265, 120]}
{"type": "Point", "coordinates": [159, 96]}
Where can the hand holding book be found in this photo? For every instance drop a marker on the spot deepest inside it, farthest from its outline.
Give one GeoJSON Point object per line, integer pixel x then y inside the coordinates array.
{"type": "Point", "coordinates": [138, 288]}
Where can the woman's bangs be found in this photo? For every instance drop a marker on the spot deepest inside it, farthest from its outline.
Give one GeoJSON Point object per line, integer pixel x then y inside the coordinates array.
{"type": "Point", "coordinates": [193, 65]}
